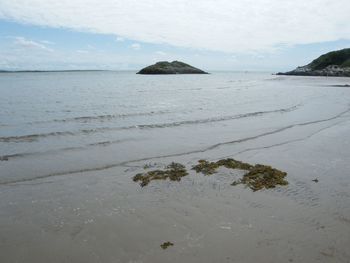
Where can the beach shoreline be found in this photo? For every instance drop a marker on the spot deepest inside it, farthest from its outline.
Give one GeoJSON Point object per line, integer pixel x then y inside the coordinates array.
{"type": "Point", "coordinates": [82, 205]}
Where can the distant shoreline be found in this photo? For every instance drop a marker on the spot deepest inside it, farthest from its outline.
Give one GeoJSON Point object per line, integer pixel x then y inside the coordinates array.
{"type": "Point", "coordinates": [127, 70]}
{"type": "Point", "coordinates": [43, 71]}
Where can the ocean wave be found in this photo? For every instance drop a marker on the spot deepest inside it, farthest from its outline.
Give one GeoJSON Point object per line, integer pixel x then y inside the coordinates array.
{"type": "Point", "coordinates": [168, 90]}
{"type": "Point", "coordinates": [209, 148]}
{"type": "Point", "coordinates": [226, 87]}
{"type": "Point", "coordinates": [84, 147]}
{"type": "Point", "coordinates": [340, 85]}
{"type": "Point", "coordinates": [216, 119]}
{"type": "Point", "coordinates": [276, 78]}
{"type": "Point", "coordinates": [105, 117]}
{"type": "Point", "coordinates": [34, 137]}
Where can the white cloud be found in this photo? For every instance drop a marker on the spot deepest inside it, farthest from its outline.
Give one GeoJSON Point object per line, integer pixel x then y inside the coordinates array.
{"type": "Point", "coordinates": [223, 25]}
{"type": "Point", "coordinates": [135, 46]}
{"type": "Point", "coordinates": [160, 53]}
{"type": "Point", "coordinates": [30, 44]}
{"type": "Point", "coordinates": [47, 42]}
{"type": "Point", "coordinates": [91, 47]}
{"type": "Point", "coordinates": [20, 58]}
{"type": "Point", "coordinates": [119, 39]}
{"type": "Point", "coordinates": [81, 51]}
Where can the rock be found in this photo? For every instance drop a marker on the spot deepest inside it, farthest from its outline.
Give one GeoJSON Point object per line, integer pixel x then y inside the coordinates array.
{"type": "Point", "coordinates": [175, 67]}
{"type": "Point", "coordinates": [332, 64]}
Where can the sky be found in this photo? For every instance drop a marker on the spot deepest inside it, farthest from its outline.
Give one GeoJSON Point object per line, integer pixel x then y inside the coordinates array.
{"type": "Point", "coordinates": [259, 35]}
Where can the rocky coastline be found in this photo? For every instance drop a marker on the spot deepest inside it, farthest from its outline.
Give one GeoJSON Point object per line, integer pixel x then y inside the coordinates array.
{"type": "Point", "coordinates": [332, 64]}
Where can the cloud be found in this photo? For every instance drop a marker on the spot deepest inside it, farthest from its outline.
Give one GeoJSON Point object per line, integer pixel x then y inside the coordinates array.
{"type": "Point", "coordinates": [47, 42]}
{"type": "Point", "coordinates": [91, 47]}
{"type": "Point", "coordinates": [160, 53]}
{"type": "Point", "coordinates": [119, 39]}
{"type": "Point", "coordinates": [81, 51]}
{"type": "Point", "coordinates": [30, 44]}
{"type": "Point", "coordinates": [20, 58]}
{"type": "Point", "coordinates": [135, 46]}
{"type": "Point", "coordinates": [221, 25]}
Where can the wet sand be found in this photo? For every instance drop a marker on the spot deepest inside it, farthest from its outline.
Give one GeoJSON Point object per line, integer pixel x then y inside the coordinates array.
{"type": "Point", "coordinates": [104, 216]}
{"type": "Point", "coordinates": [101, 215]}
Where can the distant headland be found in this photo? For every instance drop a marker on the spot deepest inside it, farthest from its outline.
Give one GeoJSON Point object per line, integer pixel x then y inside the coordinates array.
{"type": "Point", "coordinates": [48, 71]}
{"type": "Point", "coordinates": [332, 64]}
{"type": "Point", "coordinates": [175, 67]}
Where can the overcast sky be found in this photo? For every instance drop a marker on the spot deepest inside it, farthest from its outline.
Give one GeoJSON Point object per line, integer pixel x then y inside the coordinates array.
{"type": "Point", "coordinates": [127, 34]}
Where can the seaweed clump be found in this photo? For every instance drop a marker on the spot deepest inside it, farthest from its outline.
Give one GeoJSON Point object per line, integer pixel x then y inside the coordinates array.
{"type": "Point", "coordinates": [205, 167]}
{"type": "Point", "coordinates": [173, 172]}
{"type": "Point", "coordinates": [234, 164]}
{"type": "Point", "coordinates": [208, 168]}
{"type": "Point", "coordinates": [262, 176]}
{"type": "Point", "coordinates": [258, 177]}
{"type": "Point", "coordinates": [167, 244]}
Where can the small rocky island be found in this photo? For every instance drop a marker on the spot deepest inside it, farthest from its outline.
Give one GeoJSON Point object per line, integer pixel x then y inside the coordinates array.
{"type": "Point", "coordinates": [175, 67]}
{"type": "Point", "coordinates": [332, 64]}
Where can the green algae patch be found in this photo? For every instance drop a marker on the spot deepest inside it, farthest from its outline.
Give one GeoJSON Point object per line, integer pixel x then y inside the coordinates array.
{"type": "Point", "coordinates": [258, 176]}
{"type": "Point", "coordinates": [173, 172]}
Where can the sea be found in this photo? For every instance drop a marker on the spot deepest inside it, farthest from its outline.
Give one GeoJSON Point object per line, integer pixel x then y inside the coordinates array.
{"type": "Point", "coordinates": [62, 122]}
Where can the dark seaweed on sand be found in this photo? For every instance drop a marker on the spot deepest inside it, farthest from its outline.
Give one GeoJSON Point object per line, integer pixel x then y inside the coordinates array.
{"type": "Point", "coordinates": [262, 176]}
{"type": "Point", "coordinates": [167, 244]}
{"type": "Point", "coordinates": [173, 172]}
{"type": "Point", "coordinates": [208, 168]}
{"type": "Point", "coordinates": [258, 177]}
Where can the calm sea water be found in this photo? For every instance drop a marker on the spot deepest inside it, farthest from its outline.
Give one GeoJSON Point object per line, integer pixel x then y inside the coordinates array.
{"type": "Point", "coordinates": [57, 123]}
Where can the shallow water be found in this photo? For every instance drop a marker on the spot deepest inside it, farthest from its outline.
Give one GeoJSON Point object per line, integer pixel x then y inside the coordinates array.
{"type": "Point", "coordinates": [71, 142]}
